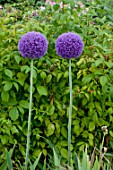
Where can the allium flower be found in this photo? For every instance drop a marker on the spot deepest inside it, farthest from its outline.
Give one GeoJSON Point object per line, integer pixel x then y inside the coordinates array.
{"type": "Point", "coordinates": [69, 45]}
{"type": "Point", "coordinates": [33, 45]}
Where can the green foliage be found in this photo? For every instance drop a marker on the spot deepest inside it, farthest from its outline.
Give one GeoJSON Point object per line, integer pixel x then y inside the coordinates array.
{"type": "Point", "coordinates": [8, 1]}
{"type": "Point", "coordinates": [32, 2]}
{"type": "Point", "coordinates": [92, 80]}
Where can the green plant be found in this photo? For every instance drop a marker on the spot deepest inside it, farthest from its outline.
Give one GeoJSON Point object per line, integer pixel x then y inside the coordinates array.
{"type": "Point", "coordinates": [84, 161]}
{"type": "Point", "coordinates": [92, 87]}
{"type": "Point", "coordinates": [31, 50]}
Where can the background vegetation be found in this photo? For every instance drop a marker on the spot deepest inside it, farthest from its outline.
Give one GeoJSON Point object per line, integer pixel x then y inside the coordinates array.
{"type": "Point", "coordinates": [92, 78]}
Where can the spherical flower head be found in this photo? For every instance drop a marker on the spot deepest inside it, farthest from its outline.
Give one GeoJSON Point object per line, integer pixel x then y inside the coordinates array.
{"type": "Point", "coordinates": [33, 45]}
{"type": "Point", "coordinates": [69, 45]}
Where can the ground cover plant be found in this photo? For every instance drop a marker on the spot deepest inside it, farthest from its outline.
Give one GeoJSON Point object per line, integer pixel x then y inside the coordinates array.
{"type": "Point", "coordinates": [92, 80]}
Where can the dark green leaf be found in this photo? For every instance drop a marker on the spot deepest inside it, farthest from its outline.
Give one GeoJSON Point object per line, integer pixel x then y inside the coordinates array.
{"type": "Point", "coordinates": [5, 96]}
{"type": "Point", "coordinates": [14, 114]}
{"type": "Point", "coordinates": [8, 73]}
{"type": "Point", "coordinates": [42, 90]}
{"type": "Point", "coordinates": [8, 86]}
{"type": "Point", "coordinates": [24, 104]}
{"type": "Point", "coordinates": [103, 80]}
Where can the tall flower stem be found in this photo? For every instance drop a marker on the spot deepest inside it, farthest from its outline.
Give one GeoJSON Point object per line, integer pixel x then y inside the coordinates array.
{"type": "Point", "coordinates": [70, 115]}
{"type": "Point", "coordinates": [29, 117]}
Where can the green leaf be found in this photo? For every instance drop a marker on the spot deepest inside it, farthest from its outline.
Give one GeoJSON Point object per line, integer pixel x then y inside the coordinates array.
{"type": "Point", "coordinates": [98, 62]}
{"type": "Point", "coordinates": [21, 78]}
{"type": "Point", "coordinates": [5, 96]}
{"type": "Point", "coordinates": [81, 112]}
{"type": "Point", "coordinates": [64, 153]}
{"type": "Point", "coordinates": [14, 114]}
{"type": "Point", "coordinates": [77, 28]}
{"type": "Point", "coordinates": [111, 133]}
{"type": "Point", "coordinates": [95, 118]}
{"type": "Point", "coordinates": [91, 105]}
{"type": "Point", "coordinates": [56, 7]}
{"type": "Point", "coordinates": [42, 90]}
{"type": "Point", "coordinates": [72, 4]}
{"type": "Point", "coordinates": [103, 80]}
{"type": "Point", "coordinates": [44, 151]}
{"type": "Point", "coordinates": [91, 126]}
{"type": "Point", "coordinates": [50, 110]}
{"type": "Point", "coordinates": [4, 139]}
{"type": "Point", "coordinates": [22, 149]}
{"type": "Point", "coordinates": [98, 107]}
{"type": "Point", "coordinates": [84, 102]}
{"type": "Point", "coordinates": [59, 75]}
{"type": "Point", "coordinates": [8, 86]}
{"type": "Point", "coordinates": [25, 68]}
{"type": "Point", "coordinates": [64, 132]}
{"type": "Point", "coordinates": [66, 74]}
{"type": "Point", "coordinates": [20, 109]}
{"type": "Point", "coordinates": [48, 79]}
{"type": "Point", "coordinates": [57, 127]}
{"type": "Point", "coordinates": [9, 73]}
{"type": "Point", "coordinates": [14, 129]}
{"type": "Point", "coordinates": [16, 86]}
{"type": "Point", "coordinates": [24, 104]}
{"type": "Point", "coordinates": [86, 79]}
{"type": "Point", "coordinates": [109, 64]}
{"type": "Point", "coordinates": [63, 143]}
{"type": "Point", "coordinates": [12, 102]}
{"type": "Point", "coordinates": [18, 59]}
{"type": "Point", "coordinates": [58, 105]}
{"type": "Point", "coordinates": [43, 75]}
{"type": "Point", "coordinates": [50, 129]}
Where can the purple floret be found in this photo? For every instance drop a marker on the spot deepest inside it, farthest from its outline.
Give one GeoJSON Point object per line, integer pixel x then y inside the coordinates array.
{"type": "Point", "coordinates": [69, 45]}
{"type": "Point", "coordinates": [33, 45]}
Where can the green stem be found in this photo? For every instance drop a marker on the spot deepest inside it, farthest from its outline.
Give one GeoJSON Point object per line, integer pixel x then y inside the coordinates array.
{"type": "Point", "coordinates": [29, 118]}
{"type": "Point", "coordinates": [70, 114]}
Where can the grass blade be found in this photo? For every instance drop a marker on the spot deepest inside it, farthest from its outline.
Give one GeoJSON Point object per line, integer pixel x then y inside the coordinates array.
{"type": "Point", "coordinates": [9, 162]}
{"type": "Point", "coordinates": [44, 167]}
{"type": "Point", "coordinates": [56, 160]}
{"type": "Point", "coordinates": [36, 161]}
{"type": "Point", "coordinates": [96, 164]}
{"type": "Point", "coordinates": [84, 160]}
{"type": "Point", "coordinates": [8, 158]}
{"type": "Point", "coordinates": [76, 161]}
{"type": "Point", "coordinates": [4, 166]}
{"type": "Point", "coordinates": [20, 168]}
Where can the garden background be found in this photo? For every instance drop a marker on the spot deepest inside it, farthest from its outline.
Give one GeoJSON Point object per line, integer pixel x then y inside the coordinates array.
{"type": "Point", "coordinates": [92, 75]}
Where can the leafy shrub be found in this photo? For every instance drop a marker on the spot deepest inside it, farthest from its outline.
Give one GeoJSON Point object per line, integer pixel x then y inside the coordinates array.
{"type": "Point", "coordinates": [92, 81]}
{"type": "Point", "coordinates": [34, 2]}
{"type": "Point", "coordinates": [8, 1]}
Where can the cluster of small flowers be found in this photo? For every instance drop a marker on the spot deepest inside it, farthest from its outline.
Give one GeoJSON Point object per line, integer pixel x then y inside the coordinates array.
{"type": "Point", "coordinates": [84, 11]}
{"type": "Point", "coordinates": [53, 3]}
{"type": "Point", "coordinates": [34, 45]}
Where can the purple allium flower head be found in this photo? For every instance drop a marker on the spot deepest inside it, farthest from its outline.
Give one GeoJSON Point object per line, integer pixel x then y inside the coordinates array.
{"type": "Point", "coordinates": [33, 45]}
{"type": "Point", "coordinates": [69, 45]}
